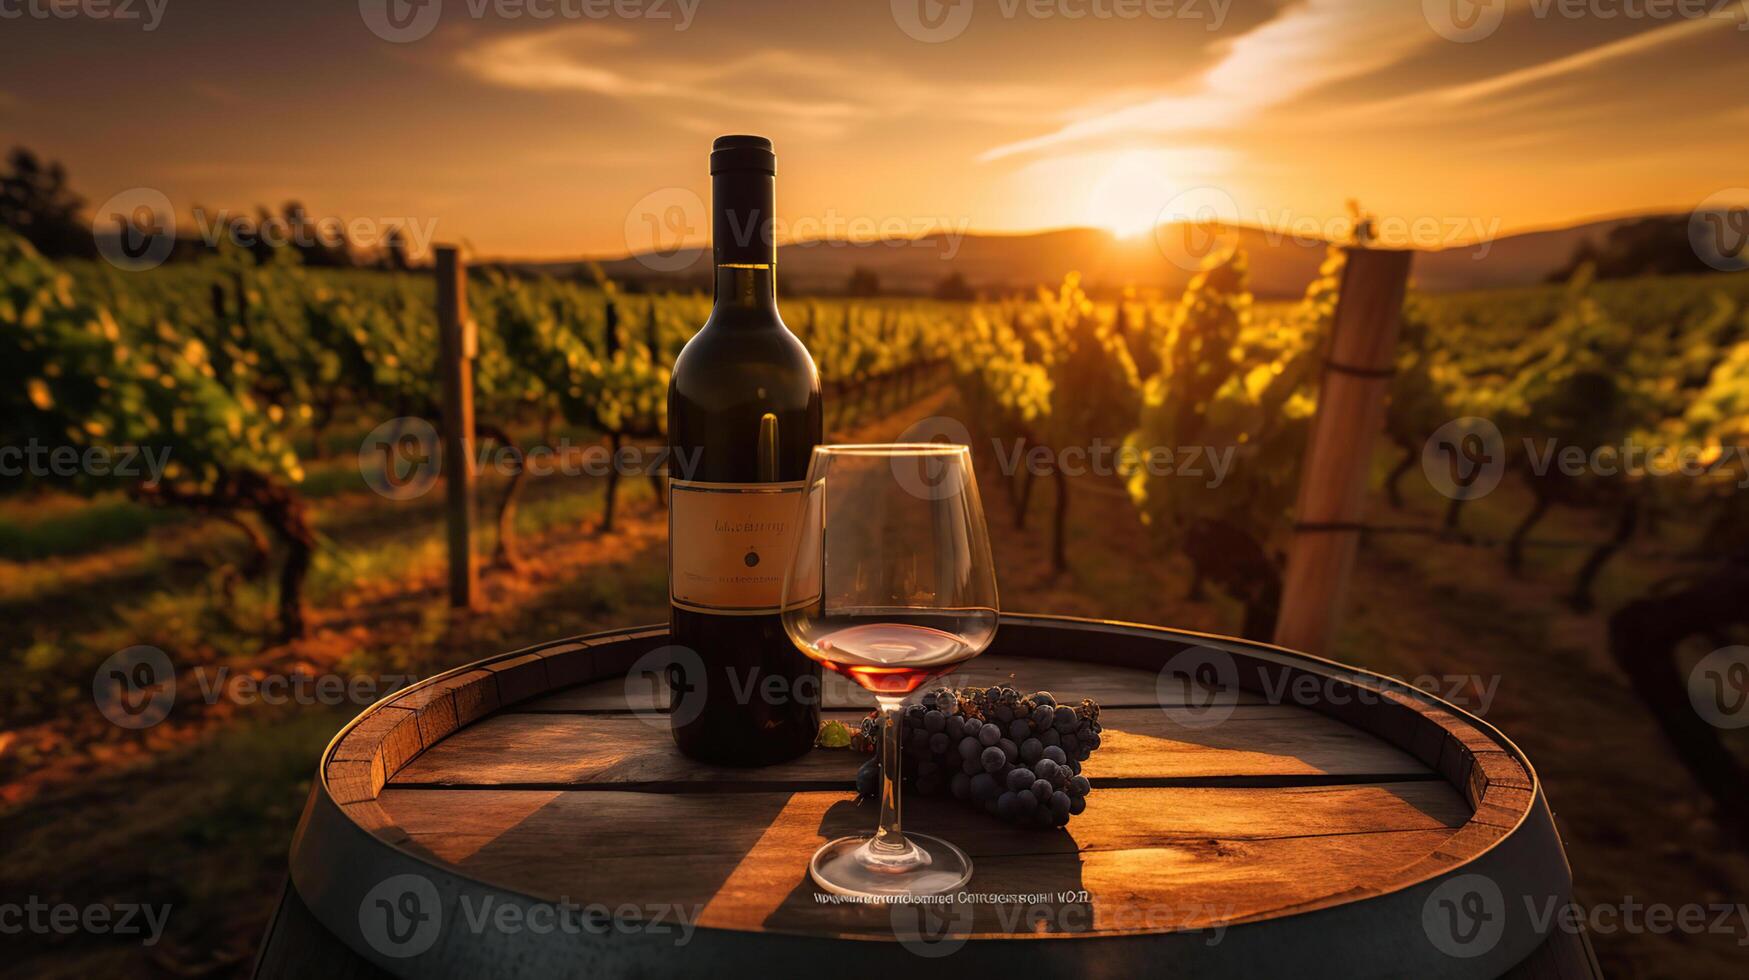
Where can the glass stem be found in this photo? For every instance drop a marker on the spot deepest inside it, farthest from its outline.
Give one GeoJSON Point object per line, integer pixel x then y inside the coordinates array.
{"type": "Point", "coordinates": [887, 838]}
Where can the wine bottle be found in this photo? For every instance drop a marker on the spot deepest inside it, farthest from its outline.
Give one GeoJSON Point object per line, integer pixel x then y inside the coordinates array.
{"type": "Point", "coordinates": [743, 419]}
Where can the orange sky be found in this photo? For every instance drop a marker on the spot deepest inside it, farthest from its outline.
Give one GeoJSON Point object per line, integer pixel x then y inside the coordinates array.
{"type": "Point", "coordinates": [582, 133]}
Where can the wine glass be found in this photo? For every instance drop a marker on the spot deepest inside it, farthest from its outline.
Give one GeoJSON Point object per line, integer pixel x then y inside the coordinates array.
{"type": "Point", "coordinates": [891, 584]}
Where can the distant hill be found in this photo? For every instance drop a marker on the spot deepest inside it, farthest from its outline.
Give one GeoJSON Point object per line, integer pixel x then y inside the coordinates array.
{"type": "Point", "coordinates": [1514, 260]}
{"type": "Point", "coordinates": [994, 264]}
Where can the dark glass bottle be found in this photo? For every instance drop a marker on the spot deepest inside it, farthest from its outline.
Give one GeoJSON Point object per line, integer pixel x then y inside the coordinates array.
{"type": "Point", "coordinates": [743, 419]}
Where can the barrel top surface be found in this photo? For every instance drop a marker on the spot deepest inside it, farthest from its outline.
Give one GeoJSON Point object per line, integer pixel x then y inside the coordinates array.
{"type": "Point", "coordinates": [1235, 784]}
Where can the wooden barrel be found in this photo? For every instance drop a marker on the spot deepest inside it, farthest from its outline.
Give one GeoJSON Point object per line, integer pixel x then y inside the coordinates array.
{"type": "Point", "coordinates": [1255, 812]}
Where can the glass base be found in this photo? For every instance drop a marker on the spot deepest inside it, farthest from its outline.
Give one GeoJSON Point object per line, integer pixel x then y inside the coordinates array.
{"type": "Point", "coordinates": [926, 866]}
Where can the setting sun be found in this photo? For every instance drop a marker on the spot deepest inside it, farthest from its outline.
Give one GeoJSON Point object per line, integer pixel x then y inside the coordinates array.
{"type": "Point", "coordinates": [1128, 196]}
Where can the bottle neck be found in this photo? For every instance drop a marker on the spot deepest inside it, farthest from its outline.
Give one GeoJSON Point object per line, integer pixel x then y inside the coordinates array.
{"type": "Point", "coordinates": [743, 203]}
{"type": "Point", "coordinates": [745, 286]}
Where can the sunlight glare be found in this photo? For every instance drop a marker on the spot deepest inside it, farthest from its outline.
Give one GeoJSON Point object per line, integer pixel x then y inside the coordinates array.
{"type": "Point", "coordinates": [1127, 197]}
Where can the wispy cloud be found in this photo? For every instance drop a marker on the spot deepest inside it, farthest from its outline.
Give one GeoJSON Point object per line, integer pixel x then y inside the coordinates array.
{"type": "Point", "coordinates": [1306, 46]}
{"type": "Point", "coordinates": [579, 59]}
{"type": "Point", "coordinates": [226, 95]}
{"type": "Point", "coordinates": [1558, 69]}
{"type": "Point", "coordinates": [821, 93]}
{"type": "Point", "coordinates": [252, 172]}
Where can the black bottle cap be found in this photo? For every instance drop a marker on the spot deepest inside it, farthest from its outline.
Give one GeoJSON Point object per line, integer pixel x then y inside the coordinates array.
{"type": "Point", "coordinates": [752, 153]}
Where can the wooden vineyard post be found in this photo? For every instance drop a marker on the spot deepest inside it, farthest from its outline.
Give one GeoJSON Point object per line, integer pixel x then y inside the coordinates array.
{"type": "Point", "coordinates": [1351, 407]}
{"type": "Point", "coordinates": [457, 345]}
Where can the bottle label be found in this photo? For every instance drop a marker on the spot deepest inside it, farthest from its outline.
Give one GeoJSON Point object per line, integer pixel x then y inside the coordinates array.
{"type": "Point", "coordinates": [729, 545]}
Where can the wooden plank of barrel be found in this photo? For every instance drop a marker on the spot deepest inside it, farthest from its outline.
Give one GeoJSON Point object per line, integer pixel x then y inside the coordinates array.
{"type": "Point", "coordinates": [1254, 812]}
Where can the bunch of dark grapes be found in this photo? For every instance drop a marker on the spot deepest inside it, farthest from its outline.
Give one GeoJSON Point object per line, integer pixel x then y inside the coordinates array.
{"type": "Point", "coordinates": [1015, 756]}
